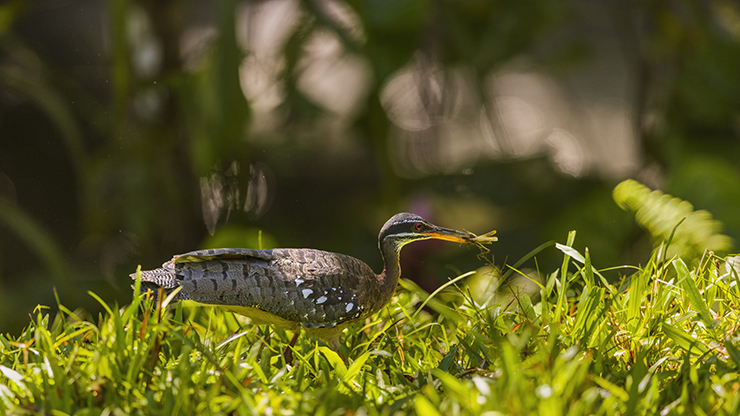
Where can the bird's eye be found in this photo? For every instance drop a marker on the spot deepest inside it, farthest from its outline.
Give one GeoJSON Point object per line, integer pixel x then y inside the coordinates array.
{"type": "Point", "coordinates": [418, 226]}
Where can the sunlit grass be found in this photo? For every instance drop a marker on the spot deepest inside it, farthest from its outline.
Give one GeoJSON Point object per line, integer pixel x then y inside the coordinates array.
{"type": "Point", "coordinates": [661, 339]}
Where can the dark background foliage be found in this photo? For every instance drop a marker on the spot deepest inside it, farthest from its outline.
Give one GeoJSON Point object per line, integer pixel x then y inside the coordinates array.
{"type": "Point", "coordinates": [134, 130]}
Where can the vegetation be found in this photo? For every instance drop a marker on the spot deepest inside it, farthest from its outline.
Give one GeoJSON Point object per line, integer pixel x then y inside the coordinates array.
{"type": "Point", "coordinates": [673, 220]}
{"type": "Point", "coordinates": [660, 340]}
{"type": "Point", "coordinates": [134, 130]}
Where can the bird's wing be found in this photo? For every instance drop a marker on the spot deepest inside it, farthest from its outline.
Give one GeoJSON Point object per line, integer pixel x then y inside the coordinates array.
{"type": "Point", "coordinates": [222, 254]}
{"type": "Point", "coordinates": [315, 288]}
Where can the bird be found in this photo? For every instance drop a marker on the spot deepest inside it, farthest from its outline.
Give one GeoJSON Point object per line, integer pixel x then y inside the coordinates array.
{"type": "Point", "coordinates": [318, 291]}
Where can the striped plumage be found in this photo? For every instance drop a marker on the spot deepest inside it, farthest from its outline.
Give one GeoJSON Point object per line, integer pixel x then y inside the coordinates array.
{"type": "Point", "coordinates": [321, 292]}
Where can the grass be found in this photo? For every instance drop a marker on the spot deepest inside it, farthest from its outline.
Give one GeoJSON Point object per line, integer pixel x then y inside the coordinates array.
{"type": "Point", "coordinates": [661, 340]}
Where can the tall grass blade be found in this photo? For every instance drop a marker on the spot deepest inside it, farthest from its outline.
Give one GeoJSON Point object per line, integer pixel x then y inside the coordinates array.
{"type": "Point", "coordinates": [424, 407]}
{"type": "Point", "coordinates": [638, 285]}
{"type": "Point", "coordinates": [567, 250]}
{"type": "Point", "coordinates": [689, 286]}
{"type": "Point", "coordinates": [438, 290]}
{"type": "Point", "coordinates": [588, 312]}
{"type": "Point", "coordinates": [684, 340]}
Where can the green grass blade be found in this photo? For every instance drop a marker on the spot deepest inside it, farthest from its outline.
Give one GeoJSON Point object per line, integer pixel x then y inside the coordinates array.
{"type": "Point", "coordinates": [588, 270]}
{"type": "Point", "coordinates": [526, 257]}
{"type": "Point", "coordinates": [335, 361]}
{"type": "Point", "coordinates": [452, 385]}
{"type": "Point", "coordinates": [355, 368]}
{"type": "Point", "coordinates": [588, 311]}
{"type": "Point", "coordinates": [101, 302]}
{"type": "Point", "coordinates": [638, 285]}
{"type": "Point", "coordinates": [439, 289]}
{"type": "Point", "coordinates": [567, 250]}
{"type": "Point", "coordinates": [424, 407]}
{"type": "Point", "coordinates": [448, 359]}
{"type": "Point", "coordinates": [684, 340]}
{"type": "Point", "coordinates": [689, 286]}
{"type": "Point", "coordinates": [733, 352]}
{"type": "Point", "coordinates": [612, 388]}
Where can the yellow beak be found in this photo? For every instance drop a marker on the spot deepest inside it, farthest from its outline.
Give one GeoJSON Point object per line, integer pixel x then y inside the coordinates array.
{"type": "Point", "coordinates": [447, 234]}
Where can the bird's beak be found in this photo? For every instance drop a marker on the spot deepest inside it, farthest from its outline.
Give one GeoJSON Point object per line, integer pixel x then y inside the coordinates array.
{"type": "Point", "coordinates": [447, 234]}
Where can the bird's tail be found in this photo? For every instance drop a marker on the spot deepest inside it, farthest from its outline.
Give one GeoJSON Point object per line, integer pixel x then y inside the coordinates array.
{"type": "Point", "coordinates": [164, 278]}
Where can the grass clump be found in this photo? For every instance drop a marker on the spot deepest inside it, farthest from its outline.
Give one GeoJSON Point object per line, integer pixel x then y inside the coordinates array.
{"type": "Point", "coordinates": [662, 340]}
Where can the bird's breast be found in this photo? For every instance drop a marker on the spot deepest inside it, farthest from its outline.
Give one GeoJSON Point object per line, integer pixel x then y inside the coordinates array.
{"type": "Point", "coordinates": [260, 317]}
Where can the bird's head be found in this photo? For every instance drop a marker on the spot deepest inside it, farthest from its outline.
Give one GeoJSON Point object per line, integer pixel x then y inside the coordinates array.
{"type": "Point", "coordinates": [405, 228]}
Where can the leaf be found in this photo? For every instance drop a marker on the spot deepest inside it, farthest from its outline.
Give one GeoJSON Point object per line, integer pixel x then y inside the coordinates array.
{"type": "Point", "coordinates": [733, 352]}
{"type": "Point", "coordinates": [525, 305]}
{"type": "Point", "coordinates": [570, 251]}
{"type": "Point", "coordinates": [689, 286]}
{"type": "Point", "coordinates": [588, 270]}
{"type": "Point", "coordinates": [448, 359]}
{"type": "Point", "coordinates": [513, 268]}
{"type": "Point", "coordinates": [260, 373]}
{"type": "Point", "coordinates": [102, 303]}
{"type": "Point", "coordinates": [11, 374]}
{"type": "Point", "coordinates": [684, 340]}
{"type": "Point", "coordinates": [439, 289]}
{"type": "Point", "coordinates": [567, 250]}
{"type": "Point", "coordinates": [335, 361]}
{"type": "Point", "coordinates": [640, 377]}
{"type": "Point", "coordinates": [424, 407]}
{"type": "Point", "coordinates": [659, 214]}
{"type": "Point", "coordinates": [619, 392]}
{"type": "Point", "coordinates": [453, 386]}
{"type": "Point", "coordinates": [589, 310]}
{"type": "Point", "coordinates": [638, 285]}
{"type": "Point", "coordinates": [355, 367]}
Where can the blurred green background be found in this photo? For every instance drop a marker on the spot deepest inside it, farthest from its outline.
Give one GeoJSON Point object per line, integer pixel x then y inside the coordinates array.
{"type": "Point", "coordinates": [134, 130]}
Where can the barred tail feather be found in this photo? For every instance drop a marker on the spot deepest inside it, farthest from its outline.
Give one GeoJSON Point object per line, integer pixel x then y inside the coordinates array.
{"type": "Point", "coordinates": [153, 280]}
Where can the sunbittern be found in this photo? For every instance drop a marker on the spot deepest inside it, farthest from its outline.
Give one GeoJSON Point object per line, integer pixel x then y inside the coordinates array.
{"type": "Point", "coordinates": [320, 291]}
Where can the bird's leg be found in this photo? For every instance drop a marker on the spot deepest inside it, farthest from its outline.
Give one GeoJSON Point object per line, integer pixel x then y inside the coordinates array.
{"type": "Point", "coordinates": [288, 351]}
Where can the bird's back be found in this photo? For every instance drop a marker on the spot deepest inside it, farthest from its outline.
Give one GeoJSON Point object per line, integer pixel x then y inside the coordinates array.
{"type": "Point", "coordinates": [284, 287]}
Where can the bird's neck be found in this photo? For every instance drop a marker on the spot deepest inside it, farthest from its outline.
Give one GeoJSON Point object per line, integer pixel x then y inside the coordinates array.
{"type": "Point", "coordinates": [388, 279]}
